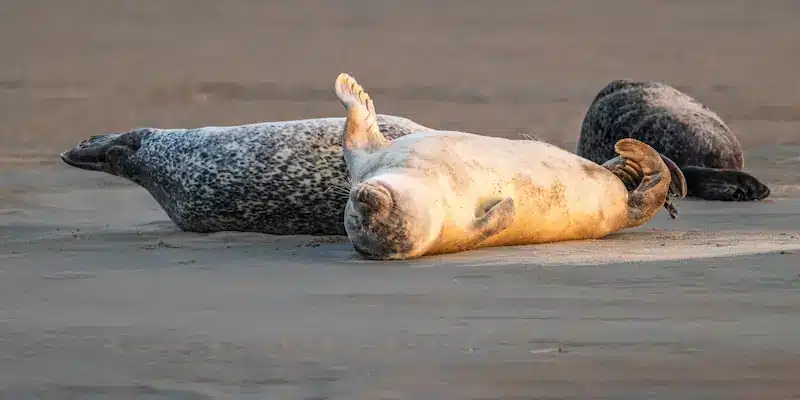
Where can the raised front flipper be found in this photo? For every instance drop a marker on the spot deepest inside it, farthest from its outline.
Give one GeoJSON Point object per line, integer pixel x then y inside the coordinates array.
{"type": "Point", "coordinates": [361, 131]}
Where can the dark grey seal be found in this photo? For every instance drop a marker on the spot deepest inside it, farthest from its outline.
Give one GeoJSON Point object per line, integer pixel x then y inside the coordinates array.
{"type": "Point", "coordinates": [280, 178]}
{"type": "Point", "coordinates": [677, 126]}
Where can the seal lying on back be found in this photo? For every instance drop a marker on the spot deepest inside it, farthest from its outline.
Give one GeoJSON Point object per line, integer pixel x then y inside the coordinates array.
{"type": "Point", "coordinates": [677, 126]}
{"type": "Point", "coordinates": [444, 191]}
{"type": "Point", "coordinates": [274, 177]}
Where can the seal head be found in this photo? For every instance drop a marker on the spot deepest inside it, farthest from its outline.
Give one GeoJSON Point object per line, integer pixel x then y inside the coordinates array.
{"type": "Point", "coordinates": [385, 217]}
{"type": "Point", "coordinates": [110, 153]}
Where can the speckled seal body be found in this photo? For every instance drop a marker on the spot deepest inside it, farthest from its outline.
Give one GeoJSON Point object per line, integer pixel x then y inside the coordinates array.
{"type": "Point", "coordinates": [677, 126]}
{"type": "Point", "coordinates": [280, 178]}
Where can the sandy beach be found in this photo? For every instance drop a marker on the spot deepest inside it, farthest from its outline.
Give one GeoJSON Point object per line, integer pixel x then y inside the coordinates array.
{"type": "Point", "coordinates": [102, 297]}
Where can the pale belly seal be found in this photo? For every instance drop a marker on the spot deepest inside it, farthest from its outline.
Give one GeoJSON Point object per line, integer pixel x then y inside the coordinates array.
{"type": "Point", "coordinates": [438, 192]}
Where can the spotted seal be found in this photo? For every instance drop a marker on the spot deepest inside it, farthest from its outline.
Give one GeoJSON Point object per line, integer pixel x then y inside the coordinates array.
{"type": "Point", "coordinates": [677, 126]}
{"type": "Point", "coordinates": [283, 177]}
{"type": "Point", "coordinates": [438, 192]}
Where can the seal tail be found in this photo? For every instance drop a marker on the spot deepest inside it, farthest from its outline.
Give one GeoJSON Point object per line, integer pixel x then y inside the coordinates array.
{"type": "Point", "coordinates": [650, 178]}
{"type": "Point", "coordinates": [361, 131]}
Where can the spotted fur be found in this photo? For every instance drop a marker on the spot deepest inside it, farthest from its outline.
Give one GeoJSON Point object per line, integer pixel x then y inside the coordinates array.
{"type": "Point", "coordinates": [274, 177]}
{"type": "Point", "coordinates": [677, 126]}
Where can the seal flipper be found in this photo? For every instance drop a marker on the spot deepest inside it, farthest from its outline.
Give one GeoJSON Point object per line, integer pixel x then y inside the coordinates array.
{"type": "Point", "coordinates": [497, 218]}
{"type": "Point", "coordinates": [654, 180]}
{"type": "Point", "coordinates": [361, 131]}
{"type": "Point", "coordinates": [631, 176]}
{"type": "Point", "coordinates": [677, 184]}
{"type": "Point", "coordinates": [723, 184]}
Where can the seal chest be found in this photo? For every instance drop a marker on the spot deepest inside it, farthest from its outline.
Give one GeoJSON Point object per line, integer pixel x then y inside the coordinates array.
{"type": "Point", "coordinates": [444, 191]}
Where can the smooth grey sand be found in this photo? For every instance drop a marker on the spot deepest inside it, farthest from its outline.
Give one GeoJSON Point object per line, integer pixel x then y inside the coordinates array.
{"type": "Point", "coordinates": [98, 305]}
{"type": "Point", "coordinates": [101, 297]}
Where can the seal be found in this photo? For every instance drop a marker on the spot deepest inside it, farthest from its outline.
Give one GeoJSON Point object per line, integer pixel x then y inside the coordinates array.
{"type": "Point", "coordinates": [437, 191]}
{"type": "Point", "coordinates": [677, 126]}
{"type": "Point", "coordinates": [285, 177]}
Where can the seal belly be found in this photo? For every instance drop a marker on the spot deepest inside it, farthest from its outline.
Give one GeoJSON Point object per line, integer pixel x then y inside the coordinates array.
{"type": "Point", "coordinates": [558, 195]}
{"type": "Point", "coordinates": [563, 204]}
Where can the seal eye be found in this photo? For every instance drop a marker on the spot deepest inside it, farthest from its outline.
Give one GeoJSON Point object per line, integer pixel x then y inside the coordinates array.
{"type": "Point", "coordinates": [114, 156]}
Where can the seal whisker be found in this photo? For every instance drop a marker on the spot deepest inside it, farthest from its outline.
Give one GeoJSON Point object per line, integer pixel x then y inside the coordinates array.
{"type": "Point", "coordinates": [339, 186]}
{"type": "Point", "coordinates": [335, 189]}
{"type": "Point", "coordinates": [344, 182]}
{"type": "Point", "coordinates": [531, 136]}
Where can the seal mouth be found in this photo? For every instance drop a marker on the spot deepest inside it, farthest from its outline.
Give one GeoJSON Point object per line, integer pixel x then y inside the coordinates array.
{"type": "Point", "coordinates": [88, 159]}
{"type": "Point", "coordinates": [366, 254]}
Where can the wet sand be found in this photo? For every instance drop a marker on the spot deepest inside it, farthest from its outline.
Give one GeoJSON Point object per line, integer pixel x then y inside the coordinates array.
{"type": "Point", "coordinates": [102, 297]}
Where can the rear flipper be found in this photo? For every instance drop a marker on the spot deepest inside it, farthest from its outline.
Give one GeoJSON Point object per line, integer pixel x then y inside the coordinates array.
{"type": "Point", "coordinates": [631, 175]}
{"type": "Point", "coordinates": [723, 184]}
{"type": "Point", "coordinates": [650, 178]}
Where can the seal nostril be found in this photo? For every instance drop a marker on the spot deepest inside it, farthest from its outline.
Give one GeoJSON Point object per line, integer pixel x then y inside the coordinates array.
{"type": "Point", "coordinates": [374, 197]}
